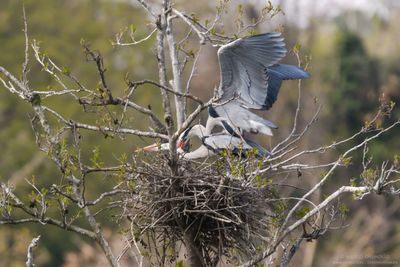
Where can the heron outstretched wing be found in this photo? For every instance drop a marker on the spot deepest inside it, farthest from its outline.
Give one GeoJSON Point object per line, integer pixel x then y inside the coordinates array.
{"type": "Point", "coordinates": [251, 79]}
{"type": "Point", "coordinates": [249, 70]}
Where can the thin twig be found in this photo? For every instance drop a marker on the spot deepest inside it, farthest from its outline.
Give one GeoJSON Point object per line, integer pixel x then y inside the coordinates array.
{"type": "Point", "coordinates": [32, 245]}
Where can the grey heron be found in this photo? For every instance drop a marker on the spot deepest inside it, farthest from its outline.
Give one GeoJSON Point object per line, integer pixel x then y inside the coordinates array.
{"type": "Point", "coordinates": [211, 144]}
{"type": "Point", "coordinates": [250, 79]}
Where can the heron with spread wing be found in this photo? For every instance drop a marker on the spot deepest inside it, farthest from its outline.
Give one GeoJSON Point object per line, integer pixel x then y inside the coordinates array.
{"type": "Point", "coordinates": [250, 79]}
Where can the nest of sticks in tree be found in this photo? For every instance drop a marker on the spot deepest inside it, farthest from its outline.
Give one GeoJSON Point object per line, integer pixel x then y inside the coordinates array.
{"type": "Point", "coordinates": [223, 207]}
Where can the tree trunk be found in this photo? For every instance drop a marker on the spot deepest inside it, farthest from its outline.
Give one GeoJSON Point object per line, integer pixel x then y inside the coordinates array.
{"type": "Point", "coordinates": [194, 258]}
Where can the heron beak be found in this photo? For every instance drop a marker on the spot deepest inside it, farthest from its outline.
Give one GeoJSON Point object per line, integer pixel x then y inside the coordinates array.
{"type": "Point", "coordinates": [150, 148]}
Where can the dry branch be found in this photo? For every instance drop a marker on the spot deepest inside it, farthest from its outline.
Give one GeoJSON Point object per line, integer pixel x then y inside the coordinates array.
{"type": "Point", "coordinates": [224, 209]}
{"type": "Point", "coordinates": [32, 245]}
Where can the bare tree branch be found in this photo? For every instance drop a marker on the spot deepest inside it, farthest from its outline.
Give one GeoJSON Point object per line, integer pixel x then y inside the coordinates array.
{"type": "Point", "coordinates": [211, 207]}
{"type": "Point", "coordinates": [289, 253]}
{"type": "Point", "coordinates": [119, 37]}
{"type": "Point", "coordinates": [177, 81]}
{"type": "Point", "coordinates": [32, 245]}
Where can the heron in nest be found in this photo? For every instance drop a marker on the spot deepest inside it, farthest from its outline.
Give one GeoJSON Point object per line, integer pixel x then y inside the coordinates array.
{"type": "Point", "coordinates": [250, 79]}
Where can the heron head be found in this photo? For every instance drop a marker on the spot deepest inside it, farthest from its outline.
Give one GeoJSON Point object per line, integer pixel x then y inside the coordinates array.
{"type": "Point", "coordinates": [183, 142]}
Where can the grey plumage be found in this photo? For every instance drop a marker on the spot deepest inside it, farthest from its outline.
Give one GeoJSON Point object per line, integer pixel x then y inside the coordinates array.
{"type": "Point", "coordinates": [220, 142]}
{"type": "Point", "coordinates": [251, 78]}
{"type": "Point", "coordinates": [215, 143]}
{"type": "Point", "coordinates": [240, 118]}
{"type": "Point", "coordinates": [242, 66]}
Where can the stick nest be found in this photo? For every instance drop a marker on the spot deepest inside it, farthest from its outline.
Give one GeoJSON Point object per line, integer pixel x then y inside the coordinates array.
{"type": "Point", "coordinates": [220, 206]}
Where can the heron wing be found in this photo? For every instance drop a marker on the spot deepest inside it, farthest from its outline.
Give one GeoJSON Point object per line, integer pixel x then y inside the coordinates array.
{"type": "Point", "coordinates": [243, 65]}
{"type": "Point", "coordinates": [221, 142]}
{"type": "Point", "coordinates": [218, 143]}
{"type": "Point", "coordinates": [249, 70]}
{"type": "Point", "coordinates": [241, 118]}
{"type": "Point", "coordinates": [261, 151]}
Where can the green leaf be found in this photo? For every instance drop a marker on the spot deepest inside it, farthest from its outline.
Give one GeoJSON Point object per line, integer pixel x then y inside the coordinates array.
{"type": "Point", "coordinates": [296, 48]}
{"type": "Point", "coordinates": [302, 212]}
{"type": "Point", "coordinates": [66, 71]}
{"type": "Point", "coordinates": [345, 161]}
{"type": "Point", "coordinates": [396, 160]}
{"type": "Point", "coordinates": [194, 18]}
{"type": "Point", "coordinates": [258, 180]}
{"type": "Point", "coordinates": [240, 9]}
{"type": "Point", "coordinates": [132, 28]}
{"type": "Point", "coordinates": [268, 182]}
{"type": "Point", "coordinates": [355, 181]}
{"type": "Point", "coordinates": [95, 159]}
{"type": "Point", "coordinates": [343, 209]}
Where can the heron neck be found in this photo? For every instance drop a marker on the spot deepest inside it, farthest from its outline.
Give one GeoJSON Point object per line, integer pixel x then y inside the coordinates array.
{"type": "Point", "coordinates": [198, 130]}
{"type": "Point", "coordinates": [211, 123]}
{"type": "Point", "coordinates": [201, 152]}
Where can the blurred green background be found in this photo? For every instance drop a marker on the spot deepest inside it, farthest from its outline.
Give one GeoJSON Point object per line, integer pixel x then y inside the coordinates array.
{"type": "Point", "coordinates": [354, 59]}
